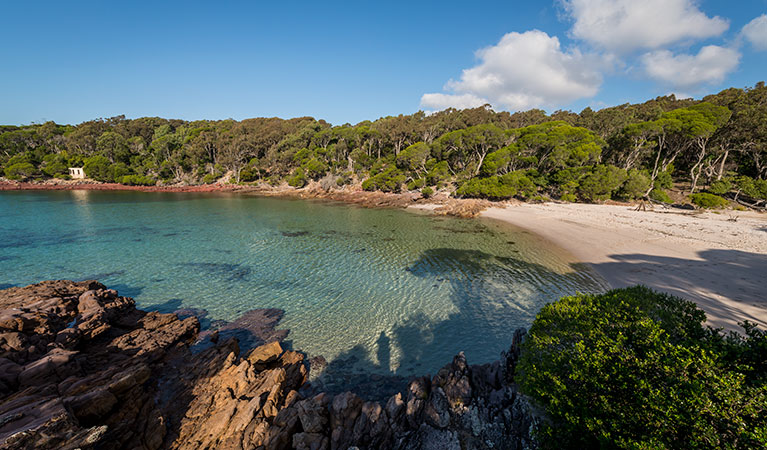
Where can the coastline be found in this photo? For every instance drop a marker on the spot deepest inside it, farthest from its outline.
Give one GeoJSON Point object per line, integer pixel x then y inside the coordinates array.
{"type": "Point", "coordinates": [717, 260]}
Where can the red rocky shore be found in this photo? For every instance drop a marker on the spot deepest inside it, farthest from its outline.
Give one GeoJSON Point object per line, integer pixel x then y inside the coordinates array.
{"type": "Point", "coordinates": [348, 194]}
{"type": "Point", "coordinates": [81, 367]}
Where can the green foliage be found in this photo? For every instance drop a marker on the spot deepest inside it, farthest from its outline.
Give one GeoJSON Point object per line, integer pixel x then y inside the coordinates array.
{"type": "Point", "coordinates": [437, 174]}
{"type": "Point", "coordinates": [97, 168]}
{"type": "Point", "coordinates": [499, 187]}
{"type": "Point", "coordinates": [636, 185]}
{"type": "Point", "coordinates": [660, 195]}
{"type": "Point", "coordinates": [664, 180]}
{"type": "Point", "coordinates": [635, 369]}
{"type": "Point", "coordinates": [453, 147]}
{"type": "Point", "coordinates": [416, 184]}
{"type": "Point", "coordinates": [20, 171]}
{"type": "Point", "coordinates": [117, 171]}
{"type": "Point", "coordinates": [557, 145]}
{"type": "Point", "coordinates": [55, 166]}
{"type": "Point", "coordinates": [720, 187]}
{"type": "Point", "coordinates": [137, 180]}
{"type": "Point", "coordinates": [756, 189]}
{"type": "Point", "coordinates": [298, 180]}
{"type": "Point", "coordinates": [210, 178]}
{"type": "Point", "coordinates": [571, 198]}
{"type": "Point", "coordinates": [414, 157]}
{"type": "Point", "coordinates": [708, 201]}
{"type": "Point", "coordinates": [601, 183]}
{"type": "Point", "coordinates": [390, 180]}
{"type": "Point", "coordinates": [427, 192]}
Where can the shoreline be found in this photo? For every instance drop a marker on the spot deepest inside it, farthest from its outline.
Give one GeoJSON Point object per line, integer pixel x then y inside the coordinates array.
{"type": "Point", "coordinates": [717, 260]}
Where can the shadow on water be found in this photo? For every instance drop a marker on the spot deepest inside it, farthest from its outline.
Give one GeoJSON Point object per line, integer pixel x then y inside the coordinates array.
{"type": "Point", "coordinates": [729, 285]}
{"type": "Point", "coordinates": [479, 285]}
{"type": "Point", "coordinates": [253, 328]}
{"type": "Point", "coordinates": [224, 271]}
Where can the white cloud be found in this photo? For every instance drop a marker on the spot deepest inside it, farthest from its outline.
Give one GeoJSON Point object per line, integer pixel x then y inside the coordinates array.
{"type": "Point", "coordinates": [523, 71]}
{"type": "Point", "coordinates": [756, 32]}
{"type": "Point", "coordinates": [711, 65]}
{"type": "Point", "coordinates": [626, 25]}
{"type": "Point", "coordinates": [443, 101]}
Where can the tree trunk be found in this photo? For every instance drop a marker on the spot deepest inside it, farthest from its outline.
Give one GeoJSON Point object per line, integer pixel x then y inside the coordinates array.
{"type": "Point", "coordinates": [720, 173]}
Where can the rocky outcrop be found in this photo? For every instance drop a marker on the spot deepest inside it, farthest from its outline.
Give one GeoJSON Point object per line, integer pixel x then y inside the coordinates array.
{"type": "Point", "coordinates": [81, 367]}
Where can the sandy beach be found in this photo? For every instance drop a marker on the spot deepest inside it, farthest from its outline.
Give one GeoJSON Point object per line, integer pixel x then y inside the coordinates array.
{"type": "Point", "coordinates": [717, 260]}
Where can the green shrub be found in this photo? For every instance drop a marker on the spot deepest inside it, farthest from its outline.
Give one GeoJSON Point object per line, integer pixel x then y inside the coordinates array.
{"type": "Point", "coordinates": [756, 189]}
{"type": "Point", "coordinates": [427, 192]}
{"type": "Point", "coordinates": [314, 168]}
{"type": "Point", "coordinates": [569, 198]}
{"type": "Point", "coordinates": [708, 201]}
{"type": "Point", "coordinates": [664, 180]}
{"type": "Point", "coordinates": [636, 185]}
{"type": "Point", "coordinates": [210, 178]}
{"type": "Point", "coordinates": [635, 369]}
{"type": "Point", "coordinates": [438, 173]}
{"type": "Point", "coordinates": [298, 180]}
{"type": "Point", "coordinates": [415, 184]}
{"type": "Point", "coordinates": [390, 180]}
{"type": "Point", "coordinates": [720, 187]}
{"type": "Point", "coordinates": [98, 168]}
{"type": "Point", "coordinates": [55, 166]}
{"type": "Point", "coordinates": [490, 187]}
{"type": "Point", "coordinates": [660, 195]}
{"type": "Point", "coordinates": [138, 180]}
{"type": "Point", "coordinates": [601, 183]}
{"type": "Point", "coordinates": [499, 187]}
{"type": "Point", "coordinates": [117, 171]}
{"type": "Point", "coordinates": [20, 171]}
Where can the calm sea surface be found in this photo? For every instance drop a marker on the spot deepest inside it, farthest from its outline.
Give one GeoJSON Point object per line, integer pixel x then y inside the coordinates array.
{"type": "Point", "coordinates": [393, 292]}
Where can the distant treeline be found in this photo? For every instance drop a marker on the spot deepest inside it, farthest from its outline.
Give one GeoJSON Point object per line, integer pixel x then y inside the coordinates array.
{"type": "Point", "coordinates": [629, 151]}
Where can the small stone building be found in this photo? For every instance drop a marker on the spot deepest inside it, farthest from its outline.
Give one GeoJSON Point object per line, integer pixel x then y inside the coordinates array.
{"type": "Point", "coordinates": [76, 173]}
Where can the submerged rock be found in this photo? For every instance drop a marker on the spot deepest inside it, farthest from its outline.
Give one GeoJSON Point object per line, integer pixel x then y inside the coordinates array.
{"type": "Point", "coordinates": [81, 367]}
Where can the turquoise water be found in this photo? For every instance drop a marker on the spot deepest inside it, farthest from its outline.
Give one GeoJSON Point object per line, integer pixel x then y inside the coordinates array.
{"type": "Point", "coordinates": [393, 292]}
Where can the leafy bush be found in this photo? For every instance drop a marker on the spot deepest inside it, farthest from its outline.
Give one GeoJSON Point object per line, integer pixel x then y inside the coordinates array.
{"type": "Point", "coordinates": [427, 192]}
{"type": "Point", "coordinates": [20, 171]}
{"type": "Point", "coordinates": [636, 185]}
{"type": "Point", "coordinates": [437, 174]}
{"type": "Point", "coordinates": [499, 187]}
{"type": "Point", "coordinates": [138, 180]}
{"type": "Point", "coordinates": [720, 187]}
{"type": "Point", "coordinates": [55, 166]}
{"type": "Point", "coordinates": [390, 180]}
{"type": "Point", "coordinates": [635, 369]}
{"type": "Point", "coordinates": [98, 168]}
{"type": "Point", "coordinates": [118, 171]}
{"type": "Point", "coordinates": [601, 183]}
{"type": "Point", "coordinates": [664, 180]}
{"type": "Point", "coordinates": [708, 201]}
{"type": "Point", "coordinates": [298, 180]}
{"type": "Point", "coordinates": [413, 157]}
{"type": "Point", "coordinates": [314, 168]}
{"type": "Point", "coordinates": [569, 198]}
{"type": "Point", "coordinates": [660, 195]}
{"type": "Point", "coordinates": [756, 189]}
{"type": "Point", "coordinates": [210, 178]}
{"type": "Point", "coordinates": [416, 184]}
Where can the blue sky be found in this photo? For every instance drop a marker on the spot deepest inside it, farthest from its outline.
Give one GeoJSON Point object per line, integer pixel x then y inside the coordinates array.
{"type": "Point", "coordinates": [348, 62]}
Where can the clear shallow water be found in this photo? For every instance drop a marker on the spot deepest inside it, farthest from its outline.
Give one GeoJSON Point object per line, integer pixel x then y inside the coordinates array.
{"type": "Point", "coordinates": [389, 291]}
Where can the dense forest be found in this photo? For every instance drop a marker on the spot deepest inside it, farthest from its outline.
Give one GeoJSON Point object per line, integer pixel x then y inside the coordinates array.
{"type": "Point", "coordinates": [717, 145]}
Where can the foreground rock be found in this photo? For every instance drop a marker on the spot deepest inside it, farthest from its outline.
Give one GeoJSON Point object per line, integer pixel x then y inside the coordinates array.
{"type": "Point", "coordinates": [81, 367]}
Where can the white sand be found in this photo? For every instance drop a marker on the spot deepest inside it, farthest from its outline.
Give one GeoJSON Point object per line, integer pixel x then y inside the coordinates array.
{"type": "Point", "coordinates": [718, 261]}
